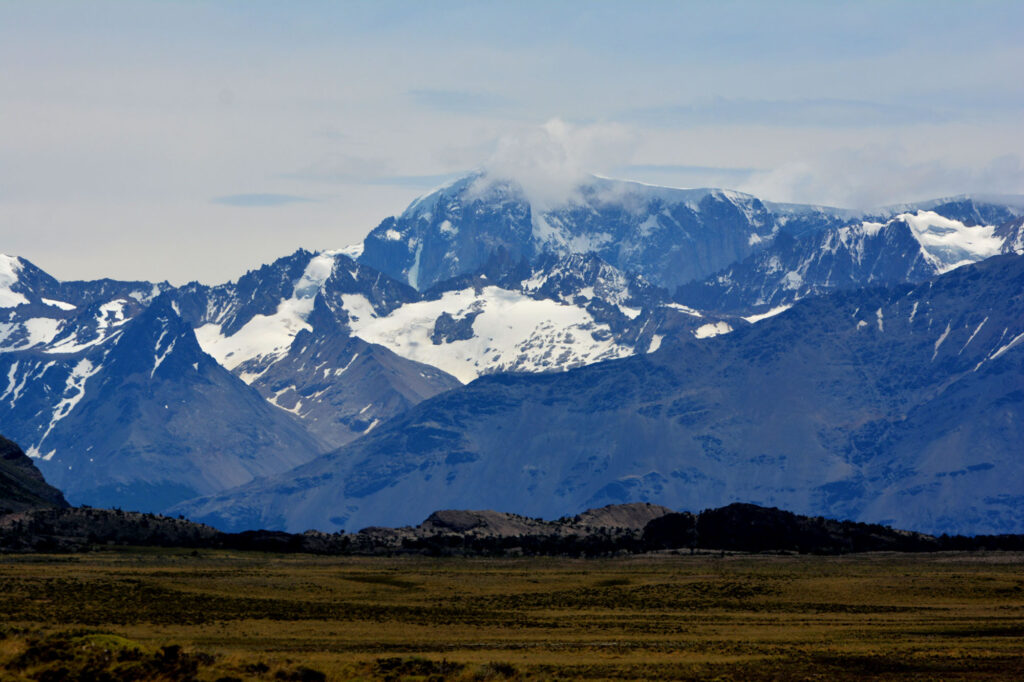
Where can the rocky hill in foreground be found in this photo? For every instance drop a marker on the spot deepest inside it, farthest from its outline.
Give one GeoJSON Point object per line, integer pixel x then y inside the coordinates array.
{"type": "Point", "coordinates": [22, 487]}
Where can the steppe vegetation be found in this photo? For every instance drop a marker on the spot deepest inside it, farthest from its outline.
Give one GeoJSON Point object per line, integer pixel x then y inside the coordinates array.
{"type": "Point", "coordinates": [159, 614]}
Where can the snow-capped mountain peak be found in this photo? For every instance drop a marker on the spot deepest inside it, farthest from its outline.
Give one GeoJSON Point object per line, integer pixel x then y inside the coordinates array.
{"type": "Point", "coordinates": [264, 338]}
{"type": "Point", "coordinates": [667, 235]}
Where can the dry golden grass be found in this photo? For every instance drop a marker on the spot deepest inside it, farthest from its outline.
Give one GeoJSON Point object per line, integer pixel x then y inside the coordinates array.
{"type": "Point", "coordinates": [258, 616]}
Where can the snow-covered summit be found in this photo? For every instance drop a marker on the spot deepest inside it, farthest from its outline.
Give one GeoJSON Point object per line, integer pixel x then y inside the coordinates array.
{"type": "Point", "coordinates": [251, 323]}
{"type": "Point", "coordinates": [668, 235]}
{"type": "Point", "coordinates": [908, 247]}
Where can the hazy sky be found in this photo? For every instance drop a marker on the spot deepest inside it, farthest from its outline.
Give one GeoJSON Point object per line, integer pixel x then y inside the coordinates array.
{"type": "Point", "coordinates": [196, 140]}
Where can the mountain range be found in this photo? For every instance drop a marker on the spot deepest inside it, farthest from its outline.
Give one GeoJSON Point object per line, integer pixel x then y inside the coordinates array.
{"type": "Point", "coordinates": [636, 343]}
{"type": "Point", "coordinates": [898, 405]}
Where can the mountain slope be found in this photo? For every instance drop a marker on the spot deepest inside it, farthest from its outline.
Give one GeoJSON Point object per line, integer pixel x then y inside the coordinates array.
{"type": "Point", "coordinates": [856, 405]}
{"type": "Point", "coordinates": [341, 386]}
{"type": "Point", "coordinates": [556, 313]}
{"type": "Point", "coordinates": [165, 421]}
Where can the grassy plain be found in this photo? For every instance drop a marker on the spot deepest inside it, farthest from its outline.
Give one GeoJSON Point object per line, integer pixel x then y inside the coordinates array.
{"type": "Point", "coordinates": [209, 615]}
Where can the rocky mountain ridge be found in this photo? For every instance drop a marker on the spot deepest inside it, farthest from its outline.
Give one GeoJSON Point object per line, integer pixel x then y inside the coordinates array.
{"type": "Point", "coordinates": [908, 248]}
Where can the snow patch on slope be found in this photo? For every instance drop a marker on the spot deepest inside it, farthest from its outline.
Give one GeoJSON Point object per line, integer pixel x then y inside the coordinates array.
{"type": "Point", "coordinates": [940, 340]}
{"type": "Point", "coordinates": [683, 309]}
{"type": "Point", "coordinates": [58, 304]}
{"type": "Point", "coordinates": [110, 317]}
{"type": "Point", "coordinates": [706, 331]}
{"type": "Point", "coordinates": [161, 355]}
{"type": "Point", "coordinates": [948, 244]}
{"type": "Point", "coordinates": [753, 319]}
{"type": "Point", "coordinates": [261, 336]}
{"type": "Point", "coordinates": [414, 269]}
{"type": "Point", "coordinates": [10, 266]}
{"type": "Point", "coordinates": [74, 389]}
{"type": "Point", "coordinates": [35, 332]}
{"type": "Point", "coordinates": [1002, 349]}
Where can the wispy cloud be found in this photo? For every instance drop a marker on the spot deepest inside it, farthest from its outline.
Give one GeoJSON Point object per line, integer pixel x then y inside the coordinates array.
{"type": "Point", "coordinates": [677, 175]}
{"type": "Point", "coordinates": [349, 169]}
{"type": "Point", "coordinates": [260, 200]}
{"type": "Point", "coordinates": [421, 181]}
{"type": "Point", "coordinates": [814, 112]}
{"type": "Point", "coordinates": [343, 167]}
{"type": "Point", "coordinates": [877, 176]}
{"type": "Point", "coordinates": [550, 161]}
{"type": "Point", "coordinates": [459, 101]}
{"type": "Point", "coordinates": [678, 168]}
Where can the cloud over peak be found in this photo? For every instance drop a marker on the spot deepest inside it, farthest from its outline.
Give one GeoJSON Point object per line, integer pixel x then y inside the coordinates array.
{"type": "Point", "coordinates": [550, 161]}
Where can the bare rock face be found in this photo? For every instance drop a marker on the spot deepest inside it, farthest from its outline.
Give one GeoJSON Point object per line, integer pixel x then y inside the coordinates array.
{"type": "Point", "coordinates": [22, 487]}
{"type": "Point", "coordinates": [614, 519]}
{"type": "Point", "coordinates": [632, 516]}
{"type": "Point", "coordinates": [483, 523]}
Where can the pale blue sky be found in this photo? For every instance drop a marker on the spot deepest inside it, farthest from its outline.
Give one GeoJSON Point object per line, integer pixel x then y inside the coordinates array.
{"type": "Point", "coordinates": [197, 139]}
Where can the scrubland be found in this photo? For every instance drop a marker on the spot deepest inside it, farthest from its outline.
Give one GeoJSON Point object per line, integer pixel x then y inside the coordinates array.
{"type": "Point", "coordinates": [153, 614]}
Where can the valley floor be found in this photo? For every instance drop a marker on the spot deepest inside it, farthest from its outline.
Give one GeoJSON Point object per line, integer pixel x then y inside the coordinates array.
{"type": "Point", "coordinates": [212, 615]}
